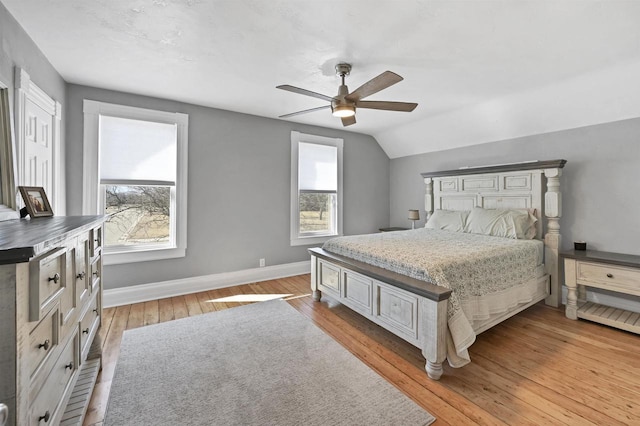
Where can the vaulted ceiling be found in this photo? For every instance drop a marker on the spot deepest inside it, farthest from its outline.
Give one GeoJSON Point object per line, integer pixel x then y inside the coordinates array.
{"type": "Point", "coordinates": [480, 70]}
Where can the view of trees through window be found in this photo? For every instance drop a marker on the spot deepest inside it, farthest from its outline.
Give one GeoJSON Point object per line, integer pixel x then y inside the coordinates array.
{"type": "Point", "coordinates": [316, 212]}
{"type": "Point", "coordinates": [137, 214]}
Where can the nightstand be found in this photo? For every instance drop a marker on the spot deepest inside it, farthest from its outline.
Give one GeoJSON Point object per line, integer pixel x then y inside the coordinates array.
{"type": "Point", "coordinates": [393, 228]}
{"type": "Point", "coordinates": [609, 271]}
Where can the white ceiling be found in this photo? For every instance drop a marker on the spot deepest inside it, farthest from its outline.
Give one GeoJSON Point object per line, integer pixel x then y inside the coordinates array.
{"type": "Point", "coordinates": [480, 70]}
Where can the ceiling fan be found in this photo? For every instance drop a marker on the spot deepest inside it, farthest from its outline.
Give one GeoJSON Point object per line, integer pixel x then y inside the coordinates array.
{"type": "Point", "coordinates": [344, 104]}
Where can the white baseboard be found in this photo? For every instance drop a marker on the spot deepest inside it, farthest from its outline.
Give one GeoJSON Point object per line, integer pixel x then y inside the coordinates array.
{"type": "Point", "coordinates": [160, 290]}
{"type": "Point", "coordinates": [628, 303]}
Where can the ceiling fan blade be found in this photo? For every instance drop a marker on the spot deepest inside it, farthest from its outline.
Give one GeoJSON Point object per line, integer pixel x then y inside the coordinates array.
{"type": "Point", "coordinates": [304, 92]}
{"type": "Point", "coordinates": [348, 121]}
{"type": "Point", "coordinates": [305, 111]}
{"type": "Point", "coordinates": [387, 106]}
{"type": "Point", "coordinates": [376, 84]}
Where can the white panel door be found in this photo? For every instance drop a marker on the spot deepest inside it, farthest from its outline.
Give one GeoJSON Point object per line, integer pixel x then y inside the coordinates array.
{"type": "Point", "coordinates": [38, 147]}
{"type": "Point", "coordinates": [38, 120]}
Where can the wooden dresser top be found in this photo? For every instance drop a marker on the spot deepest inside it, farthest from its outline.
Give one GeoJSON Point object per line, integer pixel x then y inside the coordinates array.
{"type": "Point", "coordinates": [22, 239]}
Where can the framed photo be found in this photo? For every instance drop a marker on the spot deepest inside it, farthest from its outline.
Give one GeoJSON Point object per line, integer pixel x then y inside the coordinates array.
{"type": "Point", "coordinates": [35, 200]}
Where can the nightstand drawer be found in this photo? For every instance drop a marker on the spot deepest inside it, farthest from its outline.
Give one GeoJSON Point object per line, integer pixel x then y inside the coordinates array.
{"type": "Point", "coordinates": [614, 278]}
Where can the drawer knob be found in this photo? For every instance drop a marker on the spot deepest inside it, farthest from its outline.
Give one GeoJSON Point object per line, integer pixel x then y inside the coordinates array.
{"type": "Point", "coordinates": [55, 278]}
{"type": "Point", "coordinates": [46, 417]}
{"type": "Point", "coordinates": [95, 311]}
{"type": "Point", "coordinates": [85, 331]}
{"type": "Point", "coordinates": [609, 275]}
{"type": "Point", "coordinates": [44, 345]}
{"type": "Point", "coordinates": [95, 273]}
{"type": "Point", "coordinates": [69, 366]}
{"type": "Point", "coordinates": [81, 275]}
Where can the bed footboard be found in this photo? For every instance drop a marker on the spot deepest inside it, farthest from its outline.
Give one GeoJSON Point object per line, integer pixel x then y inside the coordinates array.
{"type": "Point", "coordinates": [413, 310]}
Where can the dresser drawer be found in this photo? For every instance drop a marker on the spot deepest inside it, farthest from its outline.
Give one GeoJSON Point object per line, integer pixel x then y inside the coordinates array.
{"type": "Point", "coordinates": [615, 278]}
{"type": "Point", "coordinates": [47, 407]}
{"type": "Point", "coordinates": [43, 340]}
{"type": "Point", "coordinates": [88, 325]}
{"type": "Point", "coordinates": [68, 296]}
{"type": "Point", "coordinates": [96, 271]}
{"type": "Point", "coordinates": [95, 241]}
{"type": "Point", "coordinates": [46, 275]}
{"type": "Point", "coordinates": [397, 310]}
{"type": "Point", "coordinates": [83, 276]}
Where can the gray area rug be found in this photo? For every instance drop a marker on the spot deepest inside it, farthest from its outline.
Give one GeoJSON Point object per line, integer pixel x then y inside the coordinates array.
{"type": "Point", "coordinates": [259, 364]}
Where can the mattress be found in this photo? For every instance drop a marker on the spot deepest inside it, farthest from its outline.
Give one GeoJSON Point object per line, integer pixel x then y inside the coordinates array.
{"type": "Point", "coordinates": [488, 275]}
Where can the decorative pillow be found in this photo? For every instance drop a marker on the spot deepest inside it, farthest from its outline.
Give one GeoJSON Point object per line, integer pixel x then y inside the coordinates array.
{"type": "Point", "coordinates": [449, 220]}
{"type": "Point", "coordinates": [501, 223]}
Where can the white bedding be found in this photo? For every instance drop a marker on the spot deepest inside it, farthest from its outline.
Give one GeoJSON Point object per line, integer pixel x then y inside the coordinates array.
{"type": "Point", "coordinates": [487, 275]}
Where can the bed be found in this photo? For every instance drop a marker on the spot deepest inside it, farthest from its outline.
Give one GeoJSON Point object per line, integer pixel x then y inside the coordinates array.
{"type": "Point", "coordinates": [438, 288]}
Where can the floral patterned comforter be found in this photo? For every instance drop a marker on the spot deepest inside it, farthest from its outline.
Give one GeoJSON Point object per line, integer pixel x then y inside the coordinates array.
{"type": "Point", "coordinates": [475, 267]}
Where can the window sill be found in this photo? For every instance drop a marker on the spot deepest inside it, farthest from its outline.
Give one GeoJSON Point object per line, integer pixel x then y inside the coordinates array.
{"type": "Point", "coordinates": [133, 256]}
{"type": "Point", "coordinates": [307, 241]}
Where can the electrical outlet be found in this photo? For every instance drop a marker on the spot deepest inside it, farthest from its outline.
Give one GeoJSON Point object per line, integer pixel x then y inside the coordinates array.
{"type": "Point", "coordinates": [262, 263]}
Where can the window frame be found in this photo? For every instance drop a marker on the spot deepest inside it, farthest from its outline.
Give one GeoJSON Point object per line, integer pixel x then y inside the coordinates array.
{"type": "Point", "coordinates": [296, 239]}
{"type": "Point", "coordinates": [93, 191]}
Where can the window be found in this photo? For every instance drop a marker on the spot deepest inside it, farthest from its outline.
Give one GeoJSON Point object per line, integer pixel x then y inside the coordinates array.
{"type": "Point", "coordinates": [135, 172]}
{"type": "Point", "coordinates": [316, 188]}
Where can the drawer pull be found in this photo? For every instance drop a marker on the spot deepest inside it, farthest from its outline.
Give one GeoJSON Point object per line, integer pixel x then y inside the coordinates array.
{"type": "Point", "coordinates": [46, 417]}
{"type": "Point", "coordinates": [85, 331]}
{"type": "Point", "coordinates": [44, 345]}
{"type": "Point", "coordinates": [69, 366]}
{"type": "Point", "coordinates": [95, 273]}
{"type": "Point", "coordinates": [81, 275]}
{"type": "Point", "coordinates": [609, 275]}
{"type": "Point", "coordinates": [55, 278]}
{"type": "Point", "coordinates": [95, 311]}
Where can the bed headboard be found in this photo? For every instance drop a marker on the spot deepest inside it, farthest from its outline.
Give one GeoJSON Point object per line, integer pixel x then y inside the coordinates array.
{"type": "Point", "coordinates": [506, 186]}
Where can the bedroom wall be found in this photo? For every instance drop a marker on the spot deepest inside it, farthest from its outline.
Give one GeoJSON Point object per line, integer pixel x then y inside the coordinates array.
{"type": "Point", "coordinates": [17, 49]}
{"type": "Point", "coordinates": [239, 186]}
{"type": "Point", "coordinates": [600, 181]}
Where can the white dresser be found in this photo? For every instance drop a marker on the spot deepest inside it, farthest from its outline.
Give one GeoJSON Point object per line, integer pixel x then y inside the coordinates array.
{"type": "Point", "coordinates": [50, 313]}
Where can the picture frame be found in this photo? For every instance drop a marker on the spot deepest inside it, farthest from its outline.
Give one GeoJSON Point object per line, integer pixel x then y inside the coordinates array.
{"type": "Point", "coordinates": [36, 201]}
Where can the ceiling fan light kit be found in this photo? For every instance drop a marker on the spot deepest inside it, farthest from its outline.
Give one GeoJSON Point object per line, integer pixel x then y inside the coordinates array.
{"type": "Point", "coordinates": [344, 104]}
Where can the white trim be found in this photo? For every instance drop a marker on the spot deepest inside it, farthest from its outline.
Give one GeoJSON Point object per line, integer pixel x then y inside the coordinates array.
{"type": "Point", "coordinates": [607, 299]}
{"type": "Point", "coordinates": [160, 290]}
{"type": "Point", "coordinates": [91, 203]}
{"type": "Point", "coordinates": [296, 138]}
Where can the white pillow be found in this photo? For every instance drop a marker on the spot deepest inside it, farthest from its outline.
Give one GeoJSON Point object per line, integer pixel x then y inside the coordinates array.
{"type": "Point", "coordinates": [501, 223]}
{"type": "Point", "coordinates": [449, 220]}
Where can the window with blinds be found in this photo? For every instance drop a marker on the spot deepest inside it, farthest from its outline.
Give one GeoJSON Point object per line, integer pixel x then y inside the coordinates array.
{"type": "Point", "coordinates": [316, 188]}
{"type": "Point", "coordinates": [138, 168]}
{"type": "Point", "coordinates": [134, 167]}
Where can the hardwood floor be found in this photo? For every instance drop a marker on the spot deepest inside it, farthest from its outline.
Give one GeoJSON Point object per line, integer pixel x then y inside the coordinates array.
{"type": "Point", "coordinates": [533, 369]}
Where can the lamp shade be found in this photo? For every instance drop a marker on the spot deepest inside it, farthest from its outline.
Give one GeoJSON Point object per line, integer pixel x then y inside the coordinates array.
{"type": "Point", "coordinates": [414, 215]}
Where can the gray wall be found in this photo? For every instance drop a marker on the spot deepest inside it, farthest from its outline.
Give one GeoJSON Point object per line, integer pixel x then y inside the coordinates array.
{"type": "Point", "coordinates": [600, 183]}
{"type": "Point", "coordinates": [17, 49]}
{"type": "Point", "coordinates": [239, 186]}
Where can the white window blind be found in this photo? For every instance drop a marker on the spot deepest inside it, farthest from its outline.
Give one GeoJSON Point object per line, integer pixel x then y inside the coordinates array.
{"type": "Point", "coordinates": [317, 168]}
{"type": "Point", "coordinates": [137, 152]}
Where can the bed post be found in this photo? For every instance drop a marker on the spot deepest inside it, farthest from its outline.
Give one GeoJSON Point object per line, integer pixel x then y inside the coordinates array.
{"type": "Point", "coordinates": [553, 212]}
{"type": "Point", "coordinates": [433, 322]}
{"type": "Point", "coordinates": [314, 279]}
{"type": "Point", "coordinates": [428, 198]}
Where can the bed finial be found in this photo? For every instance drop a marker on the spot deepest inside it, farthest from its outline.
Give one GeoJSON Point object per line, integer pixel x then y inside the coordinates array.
{"type": "Point", "coordinates": [428, 198]}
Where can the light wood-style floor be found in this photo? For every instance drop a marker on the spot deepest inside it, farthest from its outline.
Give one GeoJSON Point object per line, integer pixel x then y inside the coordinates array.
{"type": "Point", "coordinates": [537, 368]}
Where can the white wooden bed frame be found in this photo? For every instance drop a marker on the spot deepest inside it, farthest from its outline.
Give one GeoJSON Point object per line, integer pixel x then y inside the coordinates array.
{"type": "Point", "coordinates": [417, 310]}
